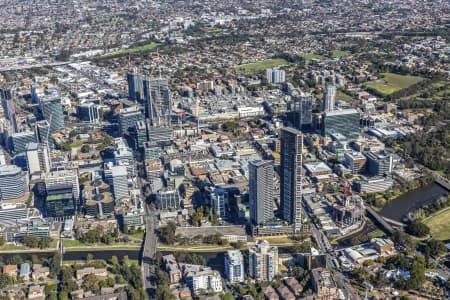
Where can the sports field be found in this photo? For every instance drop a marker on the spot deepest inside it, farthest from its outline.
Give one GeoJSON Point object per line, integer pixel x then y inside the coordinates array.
{"type": "Point", "coordinates": [313, 56]}
{"type": "Point", "coordinates": [391, 83]}
{"type": "Point", "coordinates": [262, 65]}
{"type": "Point", "coordinates": [440, 225]}
{"type": "Point", "coordinates": [131, 50]}
{"type": "Point", "coordinates": [340, 53]}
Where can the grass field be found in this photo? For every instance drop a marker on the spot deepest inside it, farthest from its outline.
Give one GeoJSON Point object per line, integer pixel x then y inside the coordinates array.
{"type": "Point", "coordinates": [136, 49]}
{"type": "Point", "coordinates": [343, 96]}
{"type": "Point", "coordinates": [262, 65]}
{"type": "Point", "coordinates": [340, 53]}
{"type": "Point", "coordinates": [391, 83]}
{"type": "Point", "coordinates": [440, 225]}
{"type": "Point", "coordinates": [194, 248]}
{"type": "Point", "coordinates": [138, 235]}
{"type": "Point", "coordinates": [77, 245]}
{"type": "Point", "coordinates": [313, 56]}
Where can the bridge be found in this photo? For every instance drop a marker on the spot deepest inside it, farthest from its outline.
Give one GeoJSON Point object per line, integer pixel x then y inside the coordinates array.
{"type": "Point", "coordinates": [149, 253]}
{"type": "Point", "coordinates": [380, 220]}
{"type": "Point", "coordinates": [442, 181]}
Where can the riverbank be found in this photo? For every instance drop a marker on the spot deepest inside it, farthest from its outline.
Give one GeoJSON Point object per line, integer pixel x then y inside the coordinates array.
{"type": "Point", "coordinates": [411, 201]}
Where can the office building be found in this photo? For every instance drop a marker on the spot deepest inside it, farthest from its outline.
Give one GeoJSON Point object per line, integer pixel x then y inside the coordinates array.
{"type": "Point", "coordinates": [379, 163]}
{"type": "Point", "coordinates": [9, 109]}
{"type": "Point", "coordinates": [355, 162]}
{"type": "Point", "coordinates": [291, 176]}
{"type": "Point", "coordinates": [19, 141]}
{"type": "Point", "coordinates": [157, 101]}
{"type": "Point", "coordinates": [59, 201]}
{"type": "Point", "coordinates": [329, 98]}
{"type": "Point", "coordinates": [263, 261]}
{"type": "Point", "coordinates": [128, 117]}
{"type": "Point", "coordinates": [160, 136]}
{"type": "Point", "coordinates": [38, 158]}
{"type": "Point", "coordinates": [140, 134]}
{"type": "Point", "coordinates": [123, 155]}
{"type": "Point", "coordinates": [300, 114]}
{"type": "Point", "coordinates": [13, 212]}
{"type": "Point", "coordinates": [43, 131]}
{"type": "Point", "coordinates": [372, 185]}
{"type": "Point", "coordinates": [323, 284]}
{"type": "Point", "coordinates": [168, 199]}
{"type": "Point", "coordinates": [261, 190]}
{"type": "Point", "coordinates": [234, 266]}
{"type": "Point", "coordinates": [219, 203]}
{"type": "Point", "coordinates": [119, 177]}
{"type": "Point", "coordinates": [52, 111]}
{"type": "Point", "coordinates": [342, 122]}
{"type": "Point", "coordinates": [13, 183]}
{"type": "Point", "coordinates": [88, 112]}
{"type": "Point", "coordinates": [135, 87]}
{"type": "Point", "coordinates": [275, 75]}
{"type": "Point", "coordinates": [64, 177]}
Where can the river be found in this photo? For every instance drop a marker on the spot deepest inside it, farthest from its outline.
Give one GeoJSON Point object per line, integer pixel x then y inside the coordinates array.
{"type": "Point", "coordinates": [398, 208]}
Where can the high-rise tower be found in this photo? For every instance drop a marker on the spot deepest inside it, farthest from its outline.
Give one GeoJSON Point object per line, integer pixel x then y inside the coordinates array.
{"type": "Point", "coordinates": [157, 101]}
{"type": "Point", "coordinates": [329, 97]}
{"type": "Point", "coordinates": [291, 176]}
{"type": "Point", "coordinates": [261, 190]}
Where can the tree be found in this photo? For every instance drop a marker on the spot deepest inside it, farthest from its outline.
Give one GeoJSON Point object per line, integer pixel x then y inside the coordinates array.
{"type": "Point", "coordinates": [15, 260]}
{"type": "Point", "coordinates": [51, 291]}
{"type": "Point", "coordinates": [435, 248]}
{"type": "Point", "coordinates": [2, 241]}
{"type": "Point", "coordinates": [115, 264]}
{"type": "Point", "coordinates": [31, 241]}
{"type": "Point", "coordinates": [167, 233]}
{"type": "Point", "coordinates": [90, 283]}
{"type": "Point", "coordinates": [417, 273]}
{"type": "Point", "coordinates": [418, 229]}
{"type": "Point", "coordinates": [5, 280]}
{"type": "Point", "coordinates": [55, 265]}
{"type": "Point", "coordinates": [197, 217]}
{"type": "Point", "coordinates": [226, 296]}
{"type": "Point", "coordinates": [85, 148]}
{"type": "Point", "coordinates": [45, 242]}
{"type": "Point", "coordinates": [67, 282]}
{"type": "Point", "coordinates": [405, 240]}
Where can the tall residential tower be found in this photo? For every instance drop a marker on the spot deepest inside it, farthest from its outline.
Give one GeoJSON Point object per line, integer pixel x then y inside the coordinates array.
{"type": "Point", "coordinates": [291, 176]}
{"type": "Point", "coordinates": [261, 190]}
{"type": "Point", "coordinates": [329, 97]}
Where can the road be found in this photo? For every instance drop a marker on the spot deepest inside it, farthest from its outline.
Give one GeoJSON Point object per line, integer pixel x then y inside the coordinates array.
{"type": "Point", "coordinates": [149, 253]}
{"type": "Point", "coordinates": [326, 248]}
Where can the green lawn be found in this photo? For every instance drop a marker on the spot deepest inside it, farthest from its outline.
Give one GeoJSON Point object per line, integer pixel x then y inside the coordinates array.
{"type": "Point", "coordinates": [74, 243]}
{"type": "Point", "coordinates": [343, 96]}
{"type": "Point", "coordinates": [313, 56]}
{"type": "Point", "coordinates": [194, 248]}
{"type": "Point", "coordinates": [262, 65]}
{"type": "Point", "coordinates": [391, 83]}
{"type": "Point", "coordinates": [10, 247]}
{"type": "Point", "coordinates": [136, 49]}
{"type": "Point", "coordinates": [340, 53]}
{"type": "Point", "coordinates": [138, 235]}
{"type": "Point", "coordinates": [439, 225]}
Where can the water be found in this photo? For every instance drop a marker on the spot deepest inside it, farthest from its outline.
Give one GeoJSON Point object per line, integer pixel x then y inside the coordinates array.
{"type": "Point", "coordinates": [398, 208]}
